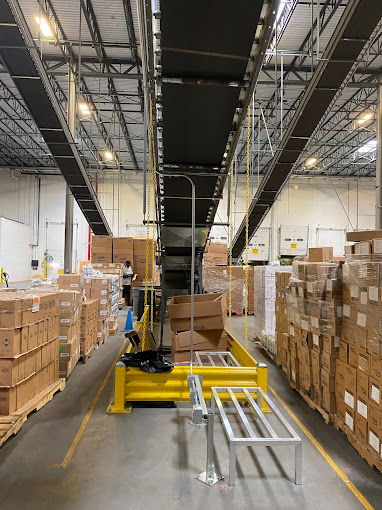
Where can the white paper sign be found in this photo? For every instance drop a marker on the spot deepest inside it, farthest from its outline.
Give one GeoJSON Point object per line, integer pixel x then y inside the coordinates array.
{"type": "Point", "coordinates": [349, 399]}
{"type": "Point", "coordinates": [362, 409]}
{"type": "Point", "coordinates": [349, 421]}
{"type": "Point", "coordinates": [316, 339]}
{"type": "Point", "coordinates": [346, 310]}
{"type": "Point", "coordinates": [314, 322]}
{"type": "Point", "coordinates": [363, 297]}
{"type": "Point", "coordinates": [361, 320]}
{"type": "Point", "coordinates": [373, 294]}
{"type": "Point", "coordinates": [305, 324]}
{"type": "Point", "coordinates": [354, 291]}
{"type": "Point", "coordinates": [375, 394]}
{"type": "Point", "coordinates": [309, 287]}
{"type": "Point", "coordinates": [373, 441]}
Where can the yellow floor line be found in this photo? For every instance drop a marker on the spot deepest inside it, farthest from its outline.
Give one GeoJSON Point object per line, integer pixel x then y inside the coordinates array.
{"type": "Point", "coordinates": [81, 430]}
{"type": "Point", "coordinates": [350, 485]}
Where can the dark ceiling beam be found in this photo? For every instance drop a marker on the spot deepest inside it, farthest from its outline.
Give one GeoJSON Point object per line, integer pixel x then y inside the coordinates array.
{"type": "Point", "coordinates": [115, 61]}
{"type": "Point", "coordinates": [91, 21]}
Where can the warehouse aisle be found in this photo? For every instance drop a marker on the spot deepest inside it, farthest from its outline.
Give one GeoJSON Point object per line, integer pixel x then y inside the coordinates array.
{"type": "Point", "coordinates": [148, 460]}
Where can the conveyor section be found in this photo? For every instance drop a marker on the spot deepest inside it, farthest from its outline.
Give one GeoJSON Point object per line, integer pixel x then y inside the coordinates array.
{"type": "Point", "coordinates": [21, 59]}
{"type": "Point", "coordinates": [353, 31]}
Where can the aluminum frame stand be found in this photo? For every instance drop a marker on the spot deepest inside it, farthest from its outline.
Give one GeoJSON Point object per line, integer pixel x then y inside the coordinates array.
{"type": "Point", "coordinates": [209, 476]}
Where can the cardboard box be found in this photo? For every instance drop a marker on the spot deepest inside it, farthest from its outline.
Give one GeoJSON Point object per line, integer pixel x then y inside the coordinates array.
{"type": "Point", "coordinates": [322, 254]}
{"type": "Point", "coordinates": [8, 401]}
{"type": "Point", "coordinates": [10, 342]}
{"type": "Point", "coordinates": [202, 341]}
{"type": "Point", "coordinates": [377, 245]}
{"type": "Point", "coordinates": [328, 381]}
{"type": "Point", "coordinates": [70, 281]}
{"type": "Point", "coordinates": [329, 401]}
{"type": "Point", "coordinates": [376, 368]}
{"type": "Point", "coordinates": [363, 385]}
{"type": "Point", "coordinates": [210, 312]}
{"type": "Point", "coordinates": [360, 427]}
{"type": "Point", "coordinates": [9, 372]}
{"type": "Point", "coordinates": [329, 362]}
{"type": "Point", "coordinates": [363, 235]}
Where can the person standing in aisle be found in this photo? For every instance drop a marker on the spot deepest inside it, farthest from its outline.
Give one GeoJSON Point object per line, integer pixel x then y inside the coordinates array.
{"type": "Point", "coordinates": [127, 278]}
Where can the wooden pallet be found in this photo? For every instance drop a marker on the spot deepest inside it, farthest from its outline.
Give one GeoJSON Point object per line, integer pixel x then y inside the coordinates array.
{"type": "Point", "coordinates": [365, 451]}
{"type": "Point", "coordinates": [84, 357]}
{"type": "Point", "coordinates": [271, 356]}
{"type": "Point", "coordinates": [328, 417]}
{"type": "Point", "coordinates": [10, 425]}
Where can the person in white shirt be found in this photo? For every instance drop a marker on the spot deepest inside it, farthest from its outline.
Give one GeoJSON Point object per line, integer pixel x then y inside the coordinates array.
{"type": "Point", "coordinates": [127, 277]}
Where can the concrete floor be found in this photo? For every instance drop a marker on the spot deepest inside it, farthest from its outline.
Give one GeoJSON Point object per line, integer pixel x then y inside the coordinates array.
{"type": "Point", "coordinates": [148, 460]}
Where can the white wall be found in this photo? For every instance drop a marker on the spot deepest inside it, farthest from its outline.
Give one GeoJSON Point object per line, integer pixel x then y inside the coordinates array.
{"type": "Point", "coordinates": [314, 203]}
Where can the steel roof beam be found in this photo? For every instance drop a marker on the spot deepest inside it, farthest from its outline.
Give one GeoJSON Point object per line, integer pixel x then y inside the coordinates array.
{"type": "Point", "coordinates": [91, 21]}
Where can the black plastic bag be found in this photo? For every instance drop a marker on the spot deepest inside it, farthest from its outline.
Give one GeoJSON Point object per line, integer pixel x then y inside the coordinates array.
{"type": "Point", "coordinates": [149, 361]}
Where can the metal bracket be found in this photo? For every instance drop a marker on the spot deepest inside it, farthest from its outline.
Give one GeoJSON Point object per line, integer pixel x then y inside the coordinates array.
{"type": "Point", "coordinates": [199, 408]}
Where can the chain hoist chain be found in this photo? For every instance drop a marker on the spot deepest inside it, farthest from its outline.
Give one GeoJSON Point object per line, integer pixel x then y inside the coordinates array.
{"type": "Point", "coordinates": [152, 308]}
{"type": "Point", "coordinates": [246, 229]}
{"type": "Point", "coordinates": [230, 250]}
{"type": "Point", "coordinates": [148, 226]}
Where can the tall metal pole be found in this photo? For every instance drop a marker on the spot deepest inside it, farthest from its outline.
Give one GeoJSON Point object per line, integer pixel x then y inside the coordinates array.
{"type": "Point", "coordinates": [69, 203]}
{"type": "Point", "coordinates": [378, 198]}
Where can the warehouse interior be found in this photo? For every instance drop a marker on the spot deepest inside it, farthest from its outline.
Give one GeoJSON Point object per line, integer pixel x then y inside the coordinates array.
{"type": "Point", "coordinates": [190, 254]}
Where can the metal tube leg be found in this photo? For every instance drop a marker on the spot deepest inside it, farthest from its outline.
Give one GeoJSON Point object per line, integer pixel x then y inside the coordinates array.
{"type": "Point", "coordinates": [232, 464]}
{"type": "Point", "coordinates": [209, 476]}
{"type": "Point", "coordinates": [298, 464]}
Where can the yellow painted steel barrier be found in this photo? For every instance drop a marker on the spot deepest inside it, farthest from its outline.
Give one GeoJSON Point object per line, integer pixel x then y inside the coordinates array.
{"type": "Point", "coordinates": [133, 384]}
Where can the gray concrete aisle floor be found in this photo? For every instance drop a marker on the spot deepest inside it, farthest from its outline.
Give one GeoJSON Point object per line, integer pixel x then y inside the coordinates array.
{"type": "Point", "coordinates": [148, 460]}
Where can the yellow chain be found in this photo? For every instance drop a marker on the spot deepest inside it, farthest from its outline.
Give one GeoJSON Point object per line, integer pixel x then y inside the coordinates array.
{"type": "Point", "coordinates": [149, 182]}
{"type": "Point", "coordinates": [247, 230]}
{"type": "Point", "coordinates": [153, 248]}
{"type": "Point", "coordinates": [230, 250]}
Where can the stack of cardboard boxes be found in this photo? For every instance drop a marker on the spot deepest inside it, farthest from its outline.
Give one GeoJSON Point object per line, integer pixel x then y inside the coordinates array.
{"type": "Point", "coordinates": [139, 261]}
{"type": "Point", "coordinates": [123, 249]}
{"type": "Point", "coordinates": [70, 304]}
{"type": "Point", "coordinates": [101, 288]}
{"type": "Point", "coordinates": [264, 292]}
{"type": "Point", "coordinates": [359, 367]}
{"type": "Point", "coordinates": [283, 348]}
{"type": "Point", "coordinates": [210, 315]}
{"type": "Point", "coordinates": [216, 279]}
{"type": "Point", "coordinates": [29, 331]}
{"type": "Point", "coordinates": [215, 254]}
{"type": "Point", "coordinates": [102, 249]}
{"type": "Point", "coordinates": [89, 326]}
{"type": "Point", "coordinates": [312, 329]}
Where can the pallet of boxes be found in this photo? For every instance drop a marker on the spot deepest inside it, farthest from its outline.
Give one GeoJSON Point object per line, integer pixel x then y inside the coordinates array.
{"type": "Point", "coordinates": [359, 366]}
{"type": "Point", "coordinates": [217, 279]}
{"type": "Point", "coordinates": [311, 332]}
{"type": "Point", "coordinates": [70, 307]}
{"type": "Point", "coordinates": [29, 352]}
{"type": "Point", "coordinates": [114, 270]}
{"type": "Point", "coordinates": [283, 348]}
{"type": "Point", "coordinates": [215, 254]}
{"type": "Point", "coordinates": [210, 315]}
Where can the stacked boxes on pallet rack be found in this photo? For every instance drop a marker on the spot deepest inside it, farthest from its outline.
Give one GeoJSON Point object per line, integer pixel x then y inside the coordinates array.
{"type": "Point", "coordinates": [89, 327]}
{"type": "Point", "coordinates": [102, 249]}
{"type": "Point", "coordinates": [309, 334]}
{"type": "Point", "coordinates": [101, 287]}
{"type": "Point", "coordinates": [263, 287]}
{"type": "Point", "coordinates": [359, 367]}
{"type": "Point", "coordinates": [70, 294]}
{"type": "Point", "coordinates": [215, 254]}
{"type": "Point", "coordinates": [29, 331]}
{"type": "Point", "coordinates": [283, 290]}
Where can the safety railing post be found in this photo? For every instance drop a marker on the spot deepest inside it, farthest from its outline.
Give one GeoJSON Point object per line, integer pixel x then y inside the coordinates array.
{"type": "Point", "coordinates": [262, 382]}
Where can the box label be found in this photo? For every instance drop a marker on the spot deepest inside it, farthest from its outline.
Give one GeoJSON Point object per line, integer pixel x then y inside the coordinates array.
{"type": "Point", "coordinates": [361, 320]}
{"type": "Point", "coordinates": [362, 409]}
{"type": "Point", "coordinates": [373, 293]}
{"type": "Point", "coordinates": [64, 320]}
{"type": "Point", "coordinates": [309, 287]}
{"type": "Point", "coordinates": [354, 291]}
{"type": "Point", "coordinates": [36, 304]}
{"type": "Point", "coordinates": [329, 285]}
{"type": "Point", "coordinates": [373, 441]}
{"type": "Point", "coordinates": [346, 310]}
{"type": "Point", "coordinates": [349, 399]}
{"type": "Point", "coordinates": [65, 303]}
{"type": "Point", "coordinates": [375, 393]}
{"type": "Point", "coordinates": [316, 339]}
{"type": "Point", "coordinates": [349, 421]}
{"type": "Point", "coordinates": [314, 322]}
{"type": "Point", "coordinates": [73, 285]}
{"type": "Point", "coordinates": [363, 297]}
{"type": "Point", "coordinates": [291, 330]}
{"type": "Point", "coordinates": [293, 246]}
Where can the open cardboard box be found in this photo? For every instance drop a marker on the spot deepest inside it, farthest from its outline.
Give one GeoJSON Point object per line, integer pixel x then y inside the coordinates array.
{"type": "Point", "coordinates": [212, 339]}
{"type": "Point", "coordinates": [210, 312]}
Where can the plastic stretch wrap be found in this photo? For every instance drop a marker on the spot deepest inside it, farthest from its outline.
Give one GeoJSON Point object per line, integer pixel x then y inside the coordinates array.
{"type": "Point", "coordinates": [362, 312]}
{"type": "Point", "coordinates": [216, 279]}
{"type": "Point", "coordinates": [264, 304]}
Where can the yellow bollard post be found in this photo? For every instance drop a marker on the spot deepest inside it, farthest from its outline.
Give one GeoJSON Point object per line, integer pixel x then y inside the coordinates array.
{"type": "Point", "coordinates": [262, 382]}
{"type": "Point", "coordinates": [119, 405]}
{"type": "Point", "coordinates": [1, 276]}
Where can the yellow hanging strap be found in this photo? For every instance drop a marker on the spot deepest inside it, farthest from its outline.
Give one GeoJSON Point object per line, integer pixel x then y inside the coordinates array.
{"type": "Point", "coordinates": [153, 248]}
{"type": "Point", "coordinates": [148, 227]}
{"type": "Point", "coordinates": [247, 231]}
{"type": "Point", "coordinates": [230, 250]}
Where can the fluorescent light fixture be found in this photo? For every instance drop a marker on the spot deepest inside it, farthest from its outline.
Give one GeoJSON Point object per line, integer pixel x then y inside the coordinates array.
{"type": "Point", "coordinates": [361, 121]}
{"type": "Point", "coordinates": [368, 147]}
{"type": "Point", "coordinates": [45, 29]}
{"type": "Point", "coordinates": [311, 161]}
{"type": "Point", "coordinates": [367, 116]}
{"type": "Point", "coordinates": [84, 108]}
{"type": "Point", "coordinates": [108, 155]}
